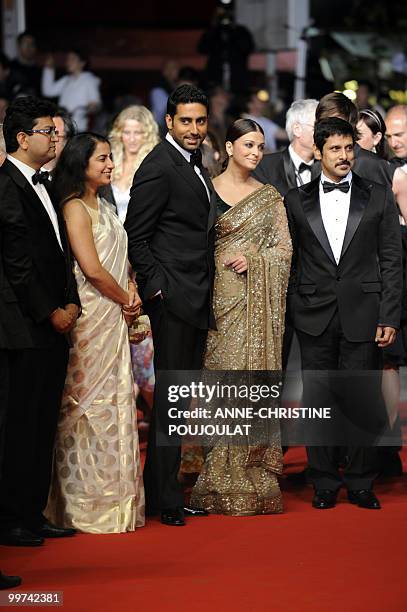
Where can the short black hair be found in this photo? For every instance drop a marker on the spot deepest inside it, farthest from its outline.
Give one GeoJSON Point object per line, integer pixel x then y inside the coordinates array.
{"type": "Point", "coordinates": [82, 56]}
{"type": "Point", "coordinates": [69, 123]}
{"type": "Point", "coordinates": [186, 94]}
{"type": "Point", "coordinates": [69, 178]}
{"type": "Point", "coordinates": [24, 34]}
{"type": "Point", "coordinates": [332, 126]}
{"type": "Point", "coordinates": [21, 116]}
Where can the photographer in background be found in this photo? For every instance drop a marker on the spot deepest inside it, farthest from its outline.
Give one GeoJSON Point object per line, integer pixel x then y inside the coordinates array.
{"type": "Point", "coordinates": [228, 46]}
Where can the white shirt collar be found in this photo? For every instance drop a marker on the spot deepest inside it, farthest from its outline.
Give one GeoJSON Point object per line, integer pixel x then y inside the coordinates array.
{"type": "Point", "coordinates": [347, 178]}
{"type": "Point", "coordinates": [26, 170]}
{"type": "Point", "coordinates": [297, 160]}
{"type": "Point", "coordinates": [183, 152]}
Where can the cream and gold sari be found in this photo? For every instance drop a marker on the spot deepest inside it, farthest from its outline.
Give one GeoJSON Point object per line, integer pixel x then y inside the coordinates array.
{"type": "Point", "coordinates": [249, 310]}
{"type": "Point", "coordinates": [97, 485]}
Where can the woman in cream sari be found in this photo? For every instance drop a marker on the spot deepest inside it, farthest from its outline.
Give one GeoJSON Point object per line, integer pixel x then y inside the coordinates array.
{"type": "Point", "coordinates": [252, 256]}
{"type": "Point", "coordinates": [97, 484]}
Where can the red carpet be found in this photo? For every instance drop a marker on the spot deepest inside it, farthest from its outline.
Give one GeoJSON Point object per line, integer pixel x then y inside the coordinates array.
{"type": "Point", "coordinates": [304, 560]}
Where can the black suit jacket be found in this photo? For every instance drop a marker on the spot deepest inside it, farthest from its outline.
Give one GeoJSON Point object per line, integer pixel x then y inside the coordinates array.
{"type": "Point", "coordinates": [15, 263]}
{"type": "Point", "coordinates": [366, 285]}
{"type": "Point", "coordinates": [51, 282]}
{"type": "Point", "coordinates": [278, 169]}
{"type": "Point", "coordinates": [170, 225]}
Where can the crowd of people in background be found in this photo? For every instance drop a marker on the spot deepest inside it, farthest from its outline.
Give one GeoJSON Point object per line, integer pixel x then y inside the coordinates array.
{"type": "Point", "coordinates": [120, 212]}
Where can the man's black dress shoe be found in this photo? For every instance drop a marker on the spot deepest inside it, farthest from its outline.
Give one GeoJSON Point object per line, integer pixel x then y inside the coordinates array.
{"type": "Point", "coordinates": [48, 530]}
{"type": "Point", "coordinates": [18, 536]}
{"type": "Point", "coordinates": [324, 499]}
{"type": "Point", "coordinates": [364, 498]}
{"type": "Point", "coordinates": [173, 517]}
{"type": "Point", "coordinates": [191, 511]}
{"type": "Point", "coordinates": [9, 582]}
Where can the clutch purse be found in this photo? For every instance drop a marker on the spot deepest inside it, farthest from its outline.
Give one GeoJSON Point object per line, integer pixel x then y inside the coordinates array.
{"type": "Point", "coordinates": [140, 329]}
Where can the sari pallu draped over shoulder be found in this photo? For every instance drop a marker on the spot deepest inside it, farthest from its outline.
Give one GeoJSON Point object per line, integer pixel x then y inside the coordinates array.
{"type": "Point", "coordinates": [250, 310]}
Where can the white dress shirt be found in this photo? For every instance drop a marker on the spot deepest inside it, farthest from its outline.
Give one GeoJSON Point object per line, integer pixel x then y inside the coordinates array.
{"type": "Point", "coordinates": [305, 176]}
{"type": "Point", "coordinates": [41, 192]}
{"type": "Point", "coordinates": [187, 156]}
{"type": "Point", "coordinates": [335, 213]}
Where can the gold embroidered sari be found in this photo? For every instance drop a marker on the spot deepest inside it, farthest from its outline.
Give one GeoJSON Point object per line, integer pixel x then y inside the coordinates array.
{"type": "Point", "coordinates": [97, 484]}
{"type": "Point", "coordinates": [249, 310]}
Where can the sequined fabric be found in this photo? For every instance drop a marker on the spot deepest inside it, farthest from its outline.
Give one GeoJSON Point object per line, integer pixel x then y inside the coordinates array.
{"type": "Point", "coordinates": [97, 484]}
{"type": "Point", "coordinates": [249, 310]}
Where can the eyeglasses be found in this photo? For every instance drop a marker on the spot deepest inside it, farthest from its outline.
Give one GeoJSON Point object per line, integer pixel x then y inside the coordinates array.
{"type": "Point", "coordinates": [51, 131]}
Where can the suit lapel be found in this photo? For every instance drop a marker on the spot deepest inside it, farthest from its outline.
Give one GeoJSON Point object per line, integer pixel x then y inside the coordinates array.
{"type": "Point", "coordinates": [212, 200]}
{"type": "Point", "coordinates": [359, 199]}
{"type": "Point", "coordinates": [312, 210]}
{"type": "Point", "coordinates": [22, 182]}
{"type": "Point", "coordinates": [187, 172]}
{"type": "Point", "coordinates": [289, 170]}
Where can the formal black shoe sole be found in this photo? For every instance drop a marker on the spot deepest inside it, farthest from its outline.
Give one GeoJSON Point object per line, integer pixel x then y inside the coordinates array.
{"type": "Point", "coordinates": [172, 524]}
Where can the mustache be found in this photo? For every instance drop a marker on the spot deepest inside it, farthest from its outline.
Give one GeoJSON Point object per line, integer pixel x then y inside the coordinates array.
{"type": "Point", "coordinates": [344, 163]}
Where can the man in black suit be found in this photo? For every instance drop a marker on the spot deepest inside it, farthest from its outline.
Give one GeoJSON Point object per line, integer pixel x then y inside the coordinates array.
{"type": "Point", "coordinates": [170, 222]}
{"type": "Point", "coordinates": [294, 166]}
{"type": "Point", "coordinates": [344, 300]}
{"type": "Point", "coordinates": [50, 305]}
{"type": "Point", "coordinates": [14, 333]}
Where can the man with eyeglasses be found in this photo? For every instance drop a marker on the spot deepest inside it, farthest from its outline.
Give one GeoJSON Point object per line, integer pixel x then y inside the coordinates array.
{"type": "Point", "coordinates": [293, 166]}
{"type": "Point", "coordinates": [50, 305]}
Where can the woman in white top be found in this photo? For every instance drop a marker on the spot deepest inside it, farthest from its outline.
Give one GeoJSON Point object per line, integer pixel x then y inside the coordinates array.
{"type": "Point", "coordinates": [78, 91]}
{"type": "Point", "coordinates": [134, 134]}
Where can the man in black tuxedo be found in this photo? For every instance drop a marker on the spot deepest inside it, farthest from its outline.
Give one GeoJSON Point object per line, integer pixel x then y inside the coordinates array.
{"type": "Point", "coordinates": [50, 305]}
{"type": "Point", "coordinates": [344, 300]}
{"type": "Point", "coordinates": [170, 222]}
{"type": "Point", "coordinates": [294, 166]}
{"type": "Point", "coordinates": [14, 333]}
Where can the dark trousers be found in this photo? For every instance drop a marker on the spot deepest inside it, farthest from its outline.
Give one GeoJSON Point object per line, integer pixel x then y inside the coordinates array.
{"type": "Point", "coordinates": [37, 379]}
{"type": "Point", "coordinates": [356, 398]}
{"type": "Point", "coordinates": [177, 346]}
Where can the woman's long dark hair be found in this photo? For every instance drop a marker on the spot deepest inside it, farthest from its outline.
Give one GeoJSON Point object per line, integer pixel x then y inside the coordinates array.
{"type": "Point", "coordinates": [375, 123]}
{"type": "Point", "coordinates": [239, 128]}
{"type": "Point", "coordinates": [69, 177]}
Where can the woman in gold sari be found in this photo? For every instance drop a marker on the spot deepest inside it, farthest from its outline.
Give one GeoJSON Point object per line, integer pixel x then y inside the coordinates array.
{"type": "Point", "coordinates": [252, 257]}
{"type": "Point", "coordinates": [97, 484]}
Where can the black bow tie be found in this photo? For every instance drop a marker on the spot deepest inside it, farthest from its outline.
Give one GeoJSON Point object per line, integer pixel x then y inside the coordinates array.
{"type": "Point", "coordinates": [40, 177]}
{"type": "Point", "coordinates": [344, 187]}
{"type": "Point", "coordinates": [398, 161]}
{"type": "Point", "coordinates": [303, 166]}
{"type": "Point", "coordinates": [196, 158]}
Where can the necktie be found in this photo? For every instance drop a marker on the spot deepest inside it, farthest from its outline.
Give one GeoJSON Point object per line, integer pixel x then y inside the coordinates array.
{"type": "Point", "coordinates": [196, 158]}
{"type": "Point", "coordinates": [344, 187]}
{"type": "Point", "coordinates": [303, 166]}
{"type": "Point", "coordinates": [40, 177]}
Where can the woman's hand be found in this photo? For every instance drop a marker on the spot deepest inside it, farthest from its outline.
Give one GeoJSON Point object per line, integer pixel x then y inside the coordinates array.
{"type": "Point", "coordinates": [237, 263]}
{"type": "Point", "coordinates": [129, 318]}
{"type": "Point", "coordinates": [133, 307]}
